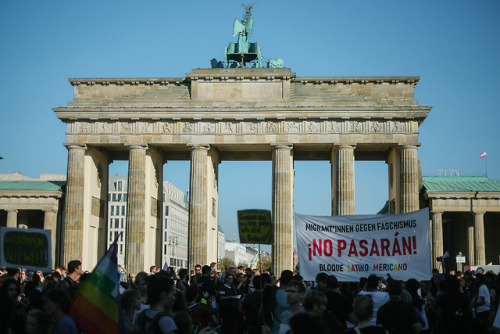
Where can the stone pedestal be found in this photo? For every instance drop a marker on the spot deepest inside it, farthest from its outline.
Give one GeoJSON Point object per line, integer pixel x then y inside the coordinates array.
{"type": "Point", "coordinates": [437, 237]}
{"type": "Point", "coordinates": [479, 238]}
{"type": "Point", "coordinates": [342, 161]}
{"type": "Point", "coordinates": [74, 206]}
{"type": "Point", "coordinates": [409, 179]}
{"type": "Point", "coordinates": [283, 180]}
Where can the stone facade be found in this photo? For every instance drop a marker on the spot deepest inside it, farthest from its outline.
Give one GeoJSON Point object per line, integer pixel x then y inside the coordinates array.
{"type": "Point", "coordinates": [464, 216]}
{"type": "Point", "coordinates": [212, 115]}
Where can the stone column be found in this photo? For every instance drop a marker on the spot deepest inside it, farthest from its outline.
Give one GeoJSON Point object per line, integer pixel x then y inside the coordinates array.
{"type": "Point", "coordinates": [409, 179]}
{"type": "Point", "coordinates": [198, 207]}
{"type": "Point", "coordinates": [50, 223]}
{"type": "Point", "coordinates": [283, 180]}
{"type": "Point", "coordinates": [342, 161]}
{"type": "Point", "coordinates": [136, 202]}
{"type": "Point", "coordinates": [471, 243]}
{"type": "Point", "coordinates": [479, 238]}
{"type": "Point", "coordinates": [73, 209]}
{"type": "Point", "coordinates": [12, 218]}
{"type": "Point", "coordinates": [437, 237]}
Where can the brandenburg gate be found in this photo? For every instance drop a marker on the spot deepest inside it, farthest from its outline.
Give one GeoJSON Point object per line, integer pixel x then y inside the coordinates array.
{"type": "Point", "coordinates": [212, 115]}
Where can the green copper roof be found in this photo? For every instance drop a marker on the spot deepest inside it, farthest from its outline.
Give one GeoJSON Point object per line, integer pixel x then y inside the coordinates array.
{"type": "Point", "coordinates": [29, 185]}
{"type": "Point", "coordinates": [460, 184]}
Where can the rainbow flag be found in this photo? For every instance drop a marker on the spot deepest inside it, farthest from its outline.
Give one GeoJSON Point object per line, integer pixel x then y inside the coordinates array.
{"type": "Point", "coordinates": [96, 305]}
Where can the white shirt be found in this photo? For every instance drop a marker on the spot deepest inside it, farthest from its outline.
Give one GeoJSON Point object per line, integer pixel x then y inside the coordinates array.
{"type": "Point", "coordinates": [379, 298]}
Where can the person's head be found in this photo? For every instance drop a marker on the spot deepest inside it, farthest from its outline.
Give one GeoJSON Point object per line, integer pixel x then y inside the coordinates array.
{"type": "Point", "coordinates": [153, 270]}
{"type": "Point", "coordinates": [241, 269]}
{"type": "Point", "coordinates": [10, 289]}
{"type": "Point", "coordinates": [183, 274]}
{"type": "Point", "coordinates": [229, 279]}
{"type": "Point", "coordinates": [372, 282]}
{"type": "Point", "coordinates": [206, 270]}
{"type": "Point", "coordinates": [56, 300]}
{"type": "Point", "coordinates": [56, 276]}
{"type": "Point", "coordinates": [37, 322]}
{"type": "Point", "coordinates": [395, 288]}
{"type": "Point", "coordinates": [131, 299]}
{"type": "Point", "coordinates": [231, 270]}
{"type": "Point", "coordinates": [452, 283]}
{"type": "Point", "coordinates": [141, 283]}
{"type": "Point", "coordinates": [286, 277]}
{"type": "Point", "coordinates": [197, 269]}
{"type": "Point", "coordinates": [321, 281]}
{"type": "Point", "coordinates": [363, 307]}
{"type": "Point", "coordinates": [161, 291]}
{"type": "Point", "coordinates": [14, 272]}
{"type": "Point", "coordinates": [314, 302]}
{"type": "Point", "coordinates": [295, 292]}
{"type": "Point", "coordinates": [332, 283]}
{"type": "Point", "coordinates": [75, 267]}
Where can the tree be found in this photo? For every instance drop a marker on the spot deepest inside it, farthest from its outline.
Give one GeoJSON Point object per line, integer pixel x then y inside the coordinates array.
{"type": "Point", "coordinates": [225, 263]}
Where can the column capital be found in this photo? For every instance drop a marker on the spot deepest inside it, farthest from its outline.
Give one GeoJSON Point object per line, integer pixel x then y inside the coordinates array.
{"type": "Point", "coordinates": [137, 146]}
{"type": "Point", "coordinates": [344, 147]}
{"type": "Point", "coordinates": [12, 210]}
{"type": "Point", "coordinates": [193, 147]}
{"type": "Point", "coordinates": [51, 210]}
{"type": "Point", "coordinates": [479, 213]}
{"type": "Point", "coordinates": [409, 146]}
{"type": "Point", "coordinates": [282, 146]}
{"type": "Point", "coordinates": [437, 212]}
{"type": "Point", "coordinates": [75, 146]}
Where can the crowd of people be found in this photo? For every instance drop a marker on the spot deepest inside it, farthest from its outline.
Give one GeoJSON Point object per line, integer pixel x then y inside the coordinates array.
{"type": "Point", "coordinates": [245, 301]}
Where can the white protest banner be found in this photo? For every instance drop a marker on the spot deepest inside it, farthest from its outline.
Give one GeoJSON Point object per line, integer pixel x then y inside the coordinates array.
{"type": "Point", "coordinates": [351, 247]}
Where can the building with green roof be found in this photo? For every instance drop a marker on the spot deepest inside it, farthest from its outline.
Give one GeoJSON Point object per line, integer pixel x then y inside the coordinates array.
{"type": "Point", "coordinates": [32, 203]}
{"type": "Point", "coordinates": [465, 217]}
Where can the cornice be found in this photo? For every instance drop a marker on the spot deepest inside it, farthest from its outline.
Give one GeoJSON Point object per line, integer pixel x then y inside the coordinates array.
{"type": "Point", "coordinates": [243, 74]}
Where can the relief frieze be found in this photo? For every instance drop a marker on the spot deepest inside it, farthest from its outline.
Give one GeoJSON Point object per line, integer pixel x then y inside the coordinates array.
{"type": "Point", "coordinates": [376, 127]}
{"type": "Point", "coordinates": [104, 127]}
{"type": "Point", "coordinates": [270, 127]}
{"type": "Point", "coordinates": [144, 127]}
{"type": "Point", "coordinates": [125, 127]}
{"type": "Point", "coordinates": [312, 127]}
{"type": "Point", "coordinates": [166, 128]}
{"type": "Point", "coordinates": [187, 128]}
{"type": "Point", "coordinates": [292, 127]}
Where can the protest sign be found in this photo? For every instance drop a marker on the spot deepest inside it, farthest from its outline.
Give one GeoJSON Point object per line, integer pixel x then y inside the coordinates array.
{"type": "Point", "coordinates": [255, 227]}
{"type": "Point", "coordinates": [26, 248]}
{"type": "Point", "coordinates": [351, 247]}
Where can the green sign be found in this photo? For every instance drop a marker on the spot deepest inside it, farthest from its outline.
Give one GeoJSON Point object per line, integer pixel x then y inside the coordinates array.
{"type": "Point", "coordinates": [255, 227]}
{"type": "Point", "coordinates": [26, 248]}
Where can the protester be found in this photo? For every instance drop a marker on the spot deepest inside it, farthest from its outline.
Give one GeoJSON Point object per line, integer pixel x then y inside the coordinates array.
{"type": "Point", "coordinates": [37, 322]}
{"type": "Point", "coordinates": [379, 297]}
{"type": "Point", "coordinates": [161, 298]}
{"type": "Point", "coordinates": [397, 316]}
{"type": "Point", "coordinates": [10, 292]}
{"type": "Point", "coordinates": [363, 310]}
{"type": "Point", "coordinates": [294, 293]}
{"type": "Point", "coordinates": [57, 303]}
{"type": "Point", "coordinates": [229, 301]}
{"type": "Point", "coordinates": [131, 304]}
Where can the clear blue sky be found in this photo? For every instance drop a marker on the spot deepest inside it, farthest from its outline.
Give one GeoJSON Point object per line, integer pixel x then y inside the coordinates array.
{"type": "Point", "coordinates": [452, 45]}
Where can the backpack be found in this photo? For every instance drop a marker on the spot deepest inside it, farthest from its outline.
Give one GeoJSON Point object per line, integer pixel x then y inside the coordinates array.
{"type": "Point", "coordinates": [143, 321]}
